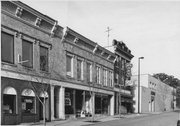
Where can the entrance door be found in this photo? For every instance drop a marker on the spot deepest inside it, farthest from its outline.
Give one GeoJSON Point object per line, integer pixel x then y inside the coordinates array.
{"type": "Point", "coordinates": [41, 109]}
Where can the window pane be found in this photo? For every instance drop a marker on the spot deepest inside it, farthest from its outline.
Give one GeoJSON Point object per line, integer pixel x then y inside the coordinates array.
{"type": "Point", "coordinates": [7, 47]}
{"type": "Point", "coordinates": [79, 70]}
{"type": "Point", "coordinates": [9, 103]}
{"type": "Point", "coordinates": [27, 53]}
{"type": "Point", "coordinates": [88, 72]}
{"type": "Point", "coordinates": [43, 58]}
{"type": "Point", "coordinates": [28, 104]}
{"type": "Point", "coordinates": [68, 65]}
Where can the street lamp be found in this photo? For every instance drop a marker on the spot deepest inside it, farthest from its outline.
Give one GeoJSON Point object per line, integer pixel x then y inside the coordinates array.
{"type": "Point", "coordinates": [139, 83]}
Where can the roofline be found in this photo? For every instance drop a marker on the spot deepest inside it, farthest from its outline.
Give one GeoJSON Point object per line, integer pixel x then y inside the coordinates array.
{"type": "Point", "coordinates": [32, 10]}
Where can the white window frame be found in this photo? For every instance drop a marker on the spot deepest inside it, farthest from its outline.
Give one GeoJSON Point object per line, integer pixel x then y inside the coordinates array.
{"type": "Point", "coordinates": [111, 79]}
{"type": "Point", "coordinates": [105, 76]}
{"type": "Point", "coordinates": [82, 62]}
{"type": "Point", "coordinates": [98, 69]}
{"type": "Point", "coordinates": [71, 73]}
{"type": "Point", "coordinates": [90, 78]}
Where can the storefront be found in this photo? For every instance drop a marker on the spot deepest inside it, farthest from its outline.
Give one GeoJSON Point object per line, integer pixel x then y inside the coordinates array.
{"type": "Point", "coordinates": [102, 103]}
{"type": "Point", "coordinates": [19, 102]}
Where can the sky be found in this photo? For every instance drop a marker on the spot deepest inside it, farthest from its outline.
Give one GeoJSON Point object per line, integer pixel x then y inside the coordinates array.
{"type": "Point", "coordinates": [148, 28]}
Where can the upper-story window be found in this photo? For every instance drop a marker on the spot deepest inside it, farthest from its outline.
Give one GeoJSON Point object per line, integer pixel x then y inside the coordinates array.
{"type": "Point", "coordinates": [69, 65]}
{"type": "Point", "coordinates": [98, 77]}
{"type": "Point", "coordinates": [79, 69]}
{"type": "Point", "coordinates": [89, 72]}
{"type": "Point", "coordinates": [7, 47]}
{"type": "Point", "coordinates": [110, 78]}
{"type": "Point", "coordinates": [43, 58]}
{"type": "Point", "coordinates": [27, 53]}
{"type": "Point", "coordinates": [105, 77]}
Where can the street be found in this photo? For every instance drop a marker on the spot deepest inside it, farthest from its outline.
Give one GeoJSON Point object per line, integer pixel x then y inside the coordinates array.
{"type": "Point", "coordinates": [164, 119]}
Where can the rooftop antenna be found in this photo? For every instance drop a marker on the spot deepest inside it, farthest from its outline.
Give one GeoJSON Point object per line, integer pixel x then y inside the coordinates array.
{"type": "Point", "coordinates": [108, 30]}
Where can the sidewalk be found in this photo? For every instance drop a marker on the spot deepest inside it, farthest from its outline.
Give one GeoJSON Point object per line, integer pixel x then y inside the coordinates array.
{"type": "Point", "coordinates": [87, 121]}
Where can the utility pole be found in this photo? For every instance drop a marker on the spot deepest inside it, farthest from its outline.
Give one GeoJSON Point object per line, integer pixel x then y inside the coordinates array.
{"type": "Point", "coordinates": [108, 30]}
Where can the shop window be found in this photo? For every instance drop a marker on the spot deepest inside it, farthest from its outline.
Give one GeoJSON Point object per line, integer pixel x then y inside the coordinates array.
{"type": "Point", "coordinates": [9, 100]}
{"type": "Point", "coordinates": [7, 47]}
{"type": "Point", "coordinates": [79, 69]}
{"type": "Point", "coordinates": [69, 65]}
{"type": "Point", "coordinates": [89, 72]}
{"type": "Point", "coordinates": [43, 58]}
{"type": "Point", "coordinates": [28, 101]}
{"type": "Point", "coordinates": [27, 53]}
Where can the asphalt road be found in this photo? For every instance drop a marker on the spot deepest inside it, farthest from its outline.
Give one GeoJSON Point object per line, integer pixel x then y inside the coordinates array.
{"type": "Point", "coordinates": [163, 119]}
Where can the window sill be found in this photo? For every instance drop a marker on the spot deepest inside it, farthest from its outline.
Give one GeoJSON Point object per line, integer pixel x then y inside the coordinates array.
{"type": "Point", "coordinates": [9, 64]}
{"type": "Point", "coordinates": [28, 68]}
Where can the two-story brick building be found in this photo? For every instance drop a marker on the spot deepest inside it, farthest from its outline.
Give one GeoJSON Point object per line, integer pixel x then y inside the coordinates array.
{"type": "Point", "coordinates": [69, 73]}
{"type": "Point", "coordinates": [28, 43]}
{"type": "Point", "coordinates": [89, 69]}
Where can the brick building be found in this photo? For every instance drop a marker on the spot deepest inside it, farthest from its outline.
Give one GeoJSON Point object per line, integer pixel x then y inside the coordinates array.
{"type": "Point", "coordinates": [155, 96]}
{"type": "Point", "coordinates": [71, 74]}
{"type": "Point", "coordinates": [122, 74]}
{"type": "Point", "coordinates": [89, 69]}
{"type": "Point", "coordinates": [28, 43]}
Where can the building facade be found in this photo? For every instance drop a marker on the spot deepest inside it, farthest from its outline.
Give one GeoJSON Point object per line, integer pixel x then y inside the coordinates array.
{"type": "Point", "coordinates": [28, 43]}
{"type": "Point", "coordinates": [42, 63]}
{"type": "Point", "coordinates": [122, 74]}
{"type": "Point", "coordinates": [155, 96]}
{"type": "Point", "coordinates": [90, 67]}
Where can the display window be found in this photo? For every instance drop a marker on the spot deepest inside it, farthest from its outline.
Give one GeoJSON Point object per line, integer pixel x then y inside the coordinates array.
{"type": "Point", "coordinates": [28, 101]}
{"type": "Point", "coordinates": [9, 100]}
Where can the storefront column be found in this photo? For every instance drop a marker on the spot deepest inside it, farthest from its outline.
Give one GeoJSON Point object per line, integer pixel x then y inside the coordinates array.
{"type": "Point", "coordinates": [92, 103]}
{"type": "Point", "coordinates": [61, 103]}
{"type": "Point", "coordinates": [74, 101]}
{"type": "Point", "coordinates": [52, 102]}
{"type": "Point", "coordinates": [112, 105]}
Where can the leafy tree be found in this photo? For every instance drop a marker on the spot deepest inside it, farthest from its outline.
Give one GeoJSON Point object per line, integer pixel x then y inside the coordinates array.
{"type": "Point", "coordinates": [167, 79]}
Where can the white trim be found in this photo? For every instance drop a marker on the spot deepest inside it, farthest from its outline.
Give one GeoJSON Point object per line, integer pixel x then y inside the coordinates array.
{"type": "Point", "coordinates": [10, 90]}
{"type": "Point", "coordinates": [28, 92]}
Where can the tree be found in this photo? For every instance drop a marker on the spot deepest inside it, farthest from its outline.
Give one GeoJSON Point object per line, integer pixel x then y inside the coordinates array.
{"type": "Point", "coordinates": [167, 79]}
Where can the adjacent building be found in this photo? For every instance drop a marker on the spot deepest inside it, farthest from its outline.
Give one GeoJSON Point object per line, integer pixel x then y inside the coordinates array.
{"type": "Point", "coordinates": [122, 74]}
{"type": "Point", "coordinates": [155, 96]}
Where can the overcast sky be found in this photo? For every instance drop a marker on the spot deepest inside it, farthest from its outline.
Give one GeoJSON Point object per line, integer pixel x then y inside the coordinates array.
{"type": "Point", "coordinates": [149, 28]}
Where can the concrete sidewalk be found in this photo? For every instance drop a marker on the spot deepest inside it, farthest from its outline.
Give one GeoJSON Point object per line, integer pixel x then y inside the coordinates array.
{"type": "Point", "coordinates": [87, 121]}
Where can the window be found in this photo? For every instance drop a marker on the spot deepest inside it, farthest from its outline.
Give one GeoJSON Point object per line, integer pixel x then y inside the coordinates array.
{"type": "Point", "coordinates": [89, 72]}
{"type": "Point", "coordinates": [98, 75]}
{"type": "Point", "coordinates": [69, 65]}
{"type": "Point", "coordinates": [9, 100]}
{"type": "Point", "coordinates": [79, 69]}
{"type": "Point", "coordinates": [110, 78]}
{"type": "Point", "coordinates": [27, 53]}
{"type": "Point", "coordinates": [28, 101]}
{"type": "Point", "coordinates": [105, 77]}
{"type": "Point", "coordinates": [7, 47]}
{"type": "Point", "coordinates": [43, 58]}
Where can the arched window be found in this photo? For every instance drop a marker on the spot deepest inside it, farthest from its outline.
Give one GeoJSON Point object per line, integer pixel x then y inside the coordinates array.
{"type": "Point", "coordinates": [28, 101]}
{"type": "Point", "coordinates": [9, 100]}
